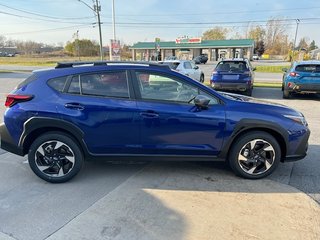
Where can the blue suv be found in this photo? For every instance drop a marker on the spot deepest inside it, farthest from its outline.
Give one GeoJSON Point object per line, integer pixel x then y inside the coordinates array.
{"type": "Point", "coordinates": [302, 77]}
{"type": "Point", "coordinates": [233, 75]}
{"type": "Point", "coordinates": [145, 111]}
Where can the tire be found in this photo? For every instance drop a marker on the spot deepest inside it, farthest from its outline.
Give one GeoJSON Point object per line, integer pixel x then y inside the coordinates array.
{"type": "Point", "coordinates": [55, 157]}
{"type": "Point", "coordinates": [286, 94]}
{"type": "Point", "coordinates": [249, 92]}
{"type": "Point", "coordinates": [202, 78]}
{"type": "Point", "coordinates": [254, 155]}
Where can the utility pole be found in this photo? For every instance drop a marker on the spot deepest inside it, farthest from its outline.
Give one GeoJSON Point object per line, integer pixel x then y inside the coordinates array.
{"type": "Point", "coordinates": [97, 9]}
{"type": "Point", "coordinates": [78, 44]}
{"type": "Point", "coordinates": [295, 38]}
{"type": "Point", "coordinates": [113, 21]}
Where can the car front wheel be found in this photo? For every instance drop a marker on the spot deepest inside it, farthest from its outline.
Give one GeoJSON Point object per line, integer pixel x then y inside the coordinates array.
{"type": "Point", "coordinates": [55, 157]}
{"type": "Point", "coordinates": [255, 155]}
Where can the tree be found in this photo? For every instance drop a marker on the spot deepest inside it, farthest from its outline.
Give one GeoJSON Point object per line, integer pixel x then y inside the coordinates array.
{"type": "Point", "coordinates": [82, 47]}
{"type": "Point", "coordinates": [276, 39]}
{"type": "Point", "coordinates": [312, 45]}
{"type": "Point", "coordinates": [259, 48]}
{"type": "Point", "coordinates": [303, 44]}
{"type": "Point", "coordinates": [257, 33]}
{"type": "Point", "coordinates": [216, 33]}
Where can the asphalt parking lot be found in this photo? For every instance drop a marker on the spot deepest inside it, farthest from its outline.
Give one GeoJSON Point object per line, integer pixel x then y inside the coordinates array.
{"type": "Point", "coordinates": [33, 209]}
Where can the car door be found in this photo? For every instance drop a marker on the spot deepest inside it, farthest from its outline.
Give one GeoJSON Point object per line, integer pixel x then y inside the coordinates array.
{"type": "Point", "coordinates": [196, 71]}
{"type": "Point", "coordinates": [170, 123]}
{"type": "Point", "coordinates": [101, 105]}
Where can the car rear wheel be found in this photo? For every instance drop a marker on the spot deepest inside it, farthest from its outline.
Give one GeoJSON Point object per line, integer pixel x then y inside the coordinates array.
{"type": "Point", "coordinates": [55, 157]}
{"type": "Point", "coordinates": [249, 92]}
{"type": "Point", "coordinates": [286, 94]}
{"type": "Point", "coordinates": [255, 155]}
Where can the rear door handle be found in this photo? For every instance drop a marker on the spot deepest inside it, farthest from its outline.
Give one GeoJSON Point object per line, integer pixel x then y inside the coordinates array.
{"type": "Point", "coordinates": [149, 114]}
{"type": "Point", "coordinates": [75, 106]}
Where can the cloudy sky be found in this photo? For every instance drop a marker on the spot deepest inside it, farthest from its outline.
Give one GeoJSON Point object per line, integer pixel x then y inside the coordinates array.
{"type": "Point", "coordinates": [56, 21]}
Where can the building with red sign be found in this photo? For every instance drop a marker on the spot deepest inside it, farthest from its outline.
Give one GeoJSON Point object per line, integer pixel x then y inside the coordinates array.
{"type": "Point", "coordinates": [188, 48]}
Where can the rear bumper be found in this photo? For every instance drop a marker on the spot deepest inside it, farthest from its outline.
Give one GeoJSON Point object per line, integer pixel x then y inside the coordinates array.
{"type": "Point", "coordinates": [231, 86]}
{"type": "Point", "coordinates": [305, 88]}
{"type": "Point", "coordinates": [7, 143]}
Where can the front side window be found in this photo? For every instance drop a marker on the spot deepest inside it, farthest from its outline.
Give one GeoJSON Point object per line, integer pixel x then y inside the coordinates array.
{"type": "Point", "coordinates": [187, 65]}
{"type": "Point", "coordinates": [164, 88]}
{"type": "Point", "coordinates": [107, 84]}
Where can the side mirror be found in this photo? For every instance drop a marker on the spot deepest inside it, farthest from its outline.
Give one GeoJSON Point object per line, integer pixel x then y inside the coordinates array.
{"type": "Point", "coordinates": [284, 69]}
{"type": "Point", "coordinates": [196, 67]}
{"type": "Point", "coordinates": [201, 101]}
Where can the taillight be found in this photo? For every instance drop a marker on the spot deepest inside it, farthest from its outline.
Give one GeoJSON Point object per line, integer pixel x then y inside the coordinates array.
{"type": "Point", "coordinates": [290, 84]}
{"type": "Point", "coordinates": [294, 74]}
{"type": "Point", "coordinates": [12, 99]}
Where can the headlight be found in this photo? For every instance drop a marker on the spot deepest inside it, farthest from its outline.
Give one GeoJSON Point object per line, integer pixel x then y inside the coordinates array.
{"type": "Point", "coordinates": [298, 119]}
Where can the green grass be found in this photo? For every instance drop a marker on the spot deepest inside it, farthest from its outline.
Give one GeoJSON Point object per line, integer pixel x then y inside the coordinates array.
{"type": "Point", "coordinates": [40, 61]}
{"type": "Point", "coordinates": [267, 84]}
{"type": "Point", "coordinates": [271, 69]}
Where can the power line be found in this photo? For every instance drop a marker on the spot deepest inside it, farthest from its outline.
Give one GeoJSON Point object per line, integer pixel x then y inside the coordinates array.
{"type": "Point", "coordinates": [40, 19]}
{"type": "Point", "coordinates": [221, 12]}
{"type": "Point", "coordinates": [45, 16]}
{"type": "Point", "coordinates": [48, 30]}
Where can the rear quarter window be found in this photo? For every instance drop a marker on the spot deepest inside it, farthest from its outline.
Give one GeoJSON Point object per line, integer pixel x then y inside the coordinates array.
{"type": "Point", "coordinates": [28, 80]}
{"type": "Point", "coordinates": [58, 83]}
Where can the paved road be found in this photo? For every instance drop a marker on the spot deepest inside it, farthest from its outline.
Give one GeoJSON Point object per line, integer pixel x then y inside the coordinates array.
{"type": "Point", "coordinates": [33, 209]}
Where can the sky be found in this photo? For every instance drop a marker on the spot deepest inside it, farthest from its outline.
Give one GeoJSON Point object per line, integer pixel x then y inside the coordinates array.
{"type": "Point", "coordinates": [56, 21]}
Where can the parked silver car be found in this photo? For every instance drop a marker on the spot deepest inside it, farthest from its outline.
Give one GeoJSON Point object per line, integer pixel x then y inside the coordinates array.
{"type": "Point", "coordinates": [188, 68]}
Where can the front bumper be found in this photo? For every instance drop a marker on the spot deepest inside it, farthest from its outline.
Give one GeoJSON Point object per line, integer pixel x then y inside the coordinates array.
{"type": "Point", "coordinates": [7, 143]}
{"type": "Point", "coordinates": [301, 149]}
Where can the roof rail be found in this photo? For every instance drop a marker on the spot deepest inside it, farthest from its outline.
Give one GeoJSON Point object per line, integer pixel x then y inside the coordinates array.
{"type": "Point", "coordinates": [101, 63]}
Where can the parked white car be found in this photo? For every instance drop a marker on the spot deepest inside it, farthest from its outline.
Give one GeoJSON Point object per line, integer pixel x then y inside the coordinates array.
{"type": "Point", "coordinates": [188, 68]}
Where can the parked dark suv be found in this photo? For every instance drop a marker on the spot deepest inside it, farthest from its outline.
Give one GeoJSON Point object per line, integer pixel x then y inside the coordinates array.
{"type": "Point", "coordinates": [233, 75]}
{"type": "Point", "coordinates": [203, 58]}
{"type": "Point", "coordinates": [145, 111]}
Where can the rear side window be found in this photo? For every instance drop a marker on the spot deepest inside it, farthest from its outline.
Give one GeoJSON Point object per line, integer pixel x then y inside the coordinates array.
{"type": "Point", "coordinates": [28, 80]}
{"type": "Point", "coordinates": [172, 65]}
{"type": "Point", "coordinates": [108, 84]}
{"type": "Point", "coordinates": [308, 68]}
{"type": "Point", "coordinates": [230, 66]}
{"type": "Point", "coordinates": [58, 83]}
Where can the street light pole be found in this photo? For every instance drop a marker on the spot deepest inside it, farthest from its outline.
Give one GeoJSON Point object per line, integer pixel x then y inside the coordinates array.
{"type": "Point", "coordinates": [96, 8]}
{"type": "Point", "coordinates": [295, 37]}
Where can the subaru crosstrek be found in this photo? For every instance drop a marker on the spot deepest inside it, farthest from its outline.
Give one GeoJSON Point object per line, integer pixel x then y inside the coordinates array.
{"type": "Point", "coordinates": [115, 110]}
{"type": "Point", "coordinates": [302, 77]}
{"type": "Point", "coordinates": [233, 75]}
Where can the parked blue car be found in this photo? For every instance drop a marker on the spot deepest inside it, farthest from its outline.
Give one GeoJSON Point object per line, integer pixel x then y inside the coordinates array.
{"type": "Point", "coordinates": [233, 75]}
{"type": "Point", "coordinates": [302, 77]}
{"type": "Point", "coordinates": [144, 111]}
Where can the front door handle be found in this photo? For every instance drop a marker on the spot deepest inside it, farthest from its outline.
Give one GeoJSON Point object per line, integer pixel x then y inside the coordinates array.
{"type": "Point", "coordinates": [74, 106]}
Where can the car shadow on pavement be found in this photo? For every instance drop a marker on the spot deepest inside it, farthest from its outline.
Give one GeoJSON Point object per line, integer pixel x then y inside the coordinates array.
{"type": "Point", "coordinates": [276, 94]}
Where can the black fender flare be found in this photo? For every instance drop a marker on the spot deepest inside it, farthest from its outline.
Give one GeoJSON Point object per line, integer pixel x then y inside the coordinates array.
{"type": "Point", "coordinates": [245, 125]}
{"type": "Point", "coordinates": [38, 123]}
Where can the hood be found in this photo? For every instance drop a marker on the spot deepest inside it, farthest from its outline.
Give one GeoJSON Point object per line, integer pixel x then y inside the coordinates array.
{"type": "Point", "coordinates": [277, 107]}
